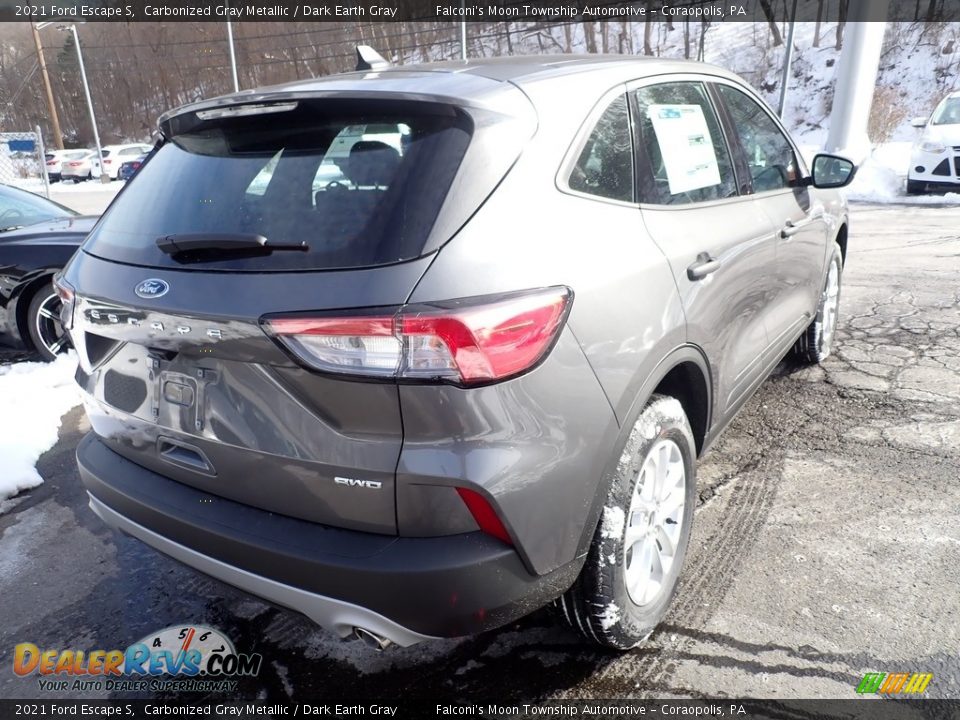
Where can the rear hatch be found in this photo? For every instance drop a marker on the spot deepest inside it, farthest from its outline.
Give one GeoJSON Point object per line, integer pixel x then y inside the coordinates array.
{"type": "Point", "coordinates": [311, 207]}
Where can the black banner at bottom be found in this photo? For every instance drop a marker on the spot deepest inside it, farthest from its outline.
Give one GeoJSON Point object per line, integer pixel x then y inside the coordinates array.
{"type": "Point", "coordinates": [854, 709]}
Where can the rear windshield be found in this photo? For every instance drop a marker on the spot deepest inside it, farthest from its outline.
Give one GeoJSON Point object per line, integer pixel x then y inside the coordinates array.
{"type": "Point", "coordinates": [360, 183]}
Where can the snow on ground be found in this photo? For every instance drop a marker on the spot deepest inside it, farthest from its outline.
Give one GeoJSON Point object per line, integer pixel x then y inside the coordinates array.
{"type": "Point", "coordinates": [33, 397]}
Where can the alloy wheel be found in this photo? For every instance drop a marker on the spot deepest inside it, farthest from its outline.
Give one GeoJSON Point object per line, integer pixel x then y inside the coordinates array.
{"type": "Point", "coordinates": [654, 522]}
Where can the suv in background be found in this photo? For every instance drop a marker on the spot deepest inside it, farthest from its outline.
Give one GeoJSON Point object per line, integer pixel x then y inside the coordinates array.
{"type": "Point", "coordinates": [472, 377]}
{"type": "Point", "coordinates": [79, 167]}
{"type": "Point", "coordinates": [115, 155]}
{"type": "Point", "coordinates": [54, 161]}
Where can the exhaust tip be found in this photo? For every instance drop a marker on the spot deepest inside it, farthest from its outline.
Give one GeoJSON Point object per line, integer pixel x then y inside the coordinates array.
{"type": "Point", "coordinates": [371, 639]}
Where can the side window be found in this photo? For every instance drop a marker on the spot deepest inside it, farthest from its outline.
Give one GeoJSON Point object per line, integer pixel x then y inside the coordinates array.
{"type": "Point", "coordinates": [769, 154]}
{"type": "Point", "coordinates": [605, 165]}
{"type": "Point", "coordinates": [688, 160]}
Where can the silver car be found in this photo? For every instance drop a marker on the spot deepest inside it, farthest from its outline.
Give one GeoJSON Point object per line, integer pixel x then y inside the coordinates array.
{"type": "Point", "coordinates": [473, 377]}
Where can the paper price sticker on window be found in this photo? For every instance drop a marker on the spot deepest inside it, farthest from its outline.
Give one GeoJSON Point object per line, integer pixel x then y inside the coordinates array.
{"type": "Point", "coordinates": [686, 146]}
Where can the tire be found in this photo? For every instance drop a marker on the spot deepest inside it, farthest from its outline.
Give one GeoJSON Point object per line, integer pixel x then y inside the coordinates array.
{"type": "Point", "coordinates": [44, 331]}
{"type": "Point", "coordinates": [814, 346]}
{"type": "Point", "coordinates": [600, 605]}
{"type": "Point", "coordinates": [914, 187]}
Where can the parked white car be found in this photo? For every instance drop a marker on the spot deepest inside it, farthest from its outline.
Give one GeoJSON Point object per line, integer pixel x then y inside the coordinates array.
{"type": "Point", "coordinates": [54, 161]}
{"type": "Point", "coordinates": [116, 155]}
{"type": "Point", "coordinates": [78, 168]}
{"type": "Point", "coordinates": [935, 160]}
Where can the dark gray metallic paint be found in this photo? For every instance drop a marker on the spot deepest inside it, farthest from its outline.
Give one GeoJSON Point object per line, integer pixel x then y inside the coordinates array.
{"type": "Point", "coordinates": [543, 446]}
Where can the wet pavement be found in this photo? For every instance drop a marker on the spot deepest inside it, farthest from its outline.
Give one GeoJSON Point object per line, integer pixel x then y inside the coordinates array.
{"type": "Point", "coordinates": [826, 543]}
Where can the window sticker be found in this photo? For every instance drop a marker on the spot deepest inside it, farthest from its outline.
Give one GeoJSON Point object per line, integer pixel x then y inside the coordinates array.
{"type": "Point", "coordinates": [689, 157]}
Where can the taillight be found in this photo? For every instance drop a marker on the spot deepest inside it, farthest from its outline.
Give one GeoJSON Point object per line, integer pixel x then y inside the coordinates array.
{"type": "Point", "coordinates": [68, 298]}
{"type": "Point", "coordinates": [467, 341]}
{"type": "Point", "coordinates": [107, 161]}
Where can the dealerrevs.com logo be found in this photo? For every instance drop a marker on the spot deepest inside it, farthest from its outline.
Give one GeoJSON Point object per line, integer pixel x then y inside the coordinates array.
{"type": "Point", "coordinates": [180, 657]}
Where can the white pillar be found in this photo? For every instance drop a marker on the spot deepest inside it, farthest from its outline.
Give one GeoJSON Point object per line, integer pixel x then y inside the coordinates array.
{"type": "Point", "coordinates": [856, 80]}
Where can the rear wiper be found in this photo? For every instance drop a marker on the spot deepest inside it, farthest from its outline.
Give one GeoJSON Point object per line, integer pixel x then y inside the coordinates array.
{"type": "Point", "coordinates": [213, 244]}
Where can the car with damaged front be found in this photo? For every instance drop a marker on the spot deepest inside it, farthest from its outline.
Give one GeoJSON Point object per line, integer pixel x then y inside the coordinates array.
{"type": "Point", "coordinates": [469, 379]}
{"type": "Point", "coordinates": [37, 238]}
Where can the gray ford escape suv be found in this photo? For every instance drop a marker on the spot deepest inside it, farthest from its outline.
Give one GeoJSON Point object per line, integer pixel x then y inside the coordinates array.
{"type": "Point", "coordinates": [417, 351]}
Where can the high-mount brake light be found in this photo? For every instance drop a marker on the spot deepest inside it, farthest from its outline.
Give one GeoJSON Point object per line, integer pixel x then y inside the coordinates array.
{"type": "Point", "coordinates": [467, 341]}
{"type": "Point", "coordinates": [246, 110]}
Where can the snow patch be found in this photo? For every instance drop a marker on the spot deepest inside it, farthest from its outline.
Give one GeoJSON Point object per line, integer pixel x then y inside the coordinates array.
{"type": "Point", "coordinates": [33, 397]}
{"type": "Point", "coordinates": [882, 179]}
{"type": "Point", "coordinates": [614, 520]}
{"type": "Point", "coordinates": [610, 617]}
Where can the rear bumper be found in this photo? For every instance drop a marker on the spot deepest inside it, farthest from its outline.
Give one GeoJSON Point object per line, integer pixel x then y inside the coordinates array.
{"type": "Point", "coordinates": [404, 589]}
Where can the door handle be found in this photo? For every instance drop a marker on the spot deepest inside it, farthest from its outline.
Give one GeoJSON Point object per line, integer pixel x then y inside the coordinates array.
{"type": "Point", "coordinates": [791, 228]}
{"type": "Point", "coordinates": [703, 266]}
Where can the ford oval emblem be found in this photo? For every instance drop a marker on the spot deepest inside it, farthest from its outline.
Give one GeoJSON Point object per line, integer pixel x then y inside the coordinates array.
{"type": "Point", "coordinates": [152, 288]}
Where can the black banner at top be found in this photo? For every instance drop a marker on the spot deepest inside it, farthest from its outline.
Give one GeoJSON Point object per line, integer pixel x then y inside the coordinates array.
{"type": "Point", "coordinates": [468, 10]}
{"type": "Point", "coordinates": [392, 709]}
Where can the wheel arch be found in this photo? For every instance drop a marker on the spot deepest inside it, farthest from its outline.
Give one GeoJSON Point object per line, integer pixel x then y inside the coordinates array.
{"type": "Point", "coordinates": [23, 298]}
{"type": "Point", "coordinates": [841, 240]}
{"type": "Point", "coordinates": [683, 374]}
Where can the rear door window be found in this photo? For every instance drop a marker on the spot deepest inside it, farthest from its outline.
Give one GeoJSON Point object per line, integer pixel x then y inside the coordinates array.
{"type": "Point", "coordinates": [686, 159]}
{"type": "Point", "coordinates": [360, 182]}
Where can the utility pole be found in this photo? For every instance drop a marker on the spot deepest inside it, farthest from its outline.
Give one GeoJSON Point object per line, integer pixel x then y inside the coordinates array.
{"type": "Point", "coordinates": [54, 118]}
{"type": "Point", "coordinates": [233, 54]}
{"type": "Point", "coordinates": [104, 177]}
{"type": "Point", "coordinates": [463, 30]}
{"type": "Point", "coordinates": [787, 62]}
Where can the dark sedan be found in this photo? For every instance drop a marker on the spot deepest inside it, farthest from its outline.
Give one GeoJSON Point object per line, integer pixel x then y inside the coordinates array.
{"type": "Point", "coordinates": [130, 167]}
{"type": "Point", "coordinates": [37, 237]}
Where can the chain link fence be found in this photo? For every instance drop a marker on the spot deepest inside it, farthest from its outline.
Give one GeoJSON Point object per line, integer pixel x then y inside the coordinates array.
{"type": "Point", "coordinates": [23, 161]}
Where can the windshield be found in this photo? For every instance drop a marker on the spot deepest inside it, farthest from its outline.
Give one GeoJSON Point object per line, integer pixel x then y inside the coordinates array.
{"type": "Point", "coordinates": [360, 182]}
{"type": "Point", "coordinates": [948, 113]}
{"type": "Point", "coordinates": [19, 208]}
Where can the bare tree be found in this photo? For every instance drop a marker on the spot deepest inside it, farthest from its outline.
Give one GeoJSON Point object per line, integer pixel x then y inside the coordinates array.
{"type": "Point", "coordinates": [816, 28]}
{"type": "Point", "coordinates": [772, 22]}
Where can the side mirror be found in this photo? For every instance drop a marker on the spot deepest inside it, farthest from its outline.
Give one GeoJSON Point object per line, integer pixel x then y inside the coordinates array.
{"type": "Point", "coordinates": [832, 171]}
{"type": "Point", "coordinates": [919, 122]}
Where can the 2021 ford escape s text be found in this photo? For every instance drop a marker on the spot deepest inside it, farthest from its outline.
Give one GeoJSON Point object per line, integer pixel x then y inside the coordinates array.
{"type": "Point", "coordinates": [416, 351]}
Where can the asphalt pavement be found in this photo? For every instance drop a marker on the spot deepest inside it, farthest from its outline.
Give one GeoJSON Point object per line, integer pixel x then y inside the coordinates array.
{"type": "Point", "coordinates": [826, 543]}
